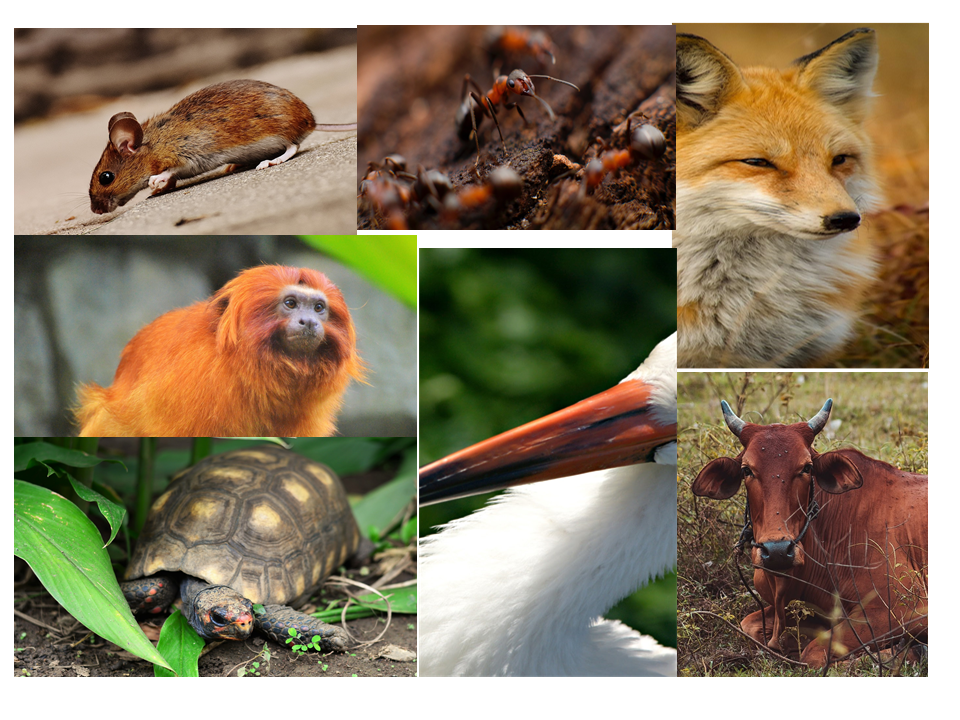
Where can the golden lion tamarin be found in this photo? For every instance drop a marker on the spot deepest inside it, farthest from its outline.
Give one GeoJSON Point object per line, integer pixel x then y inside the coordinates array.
{"type": "Point", "coordinates": [269, 354]}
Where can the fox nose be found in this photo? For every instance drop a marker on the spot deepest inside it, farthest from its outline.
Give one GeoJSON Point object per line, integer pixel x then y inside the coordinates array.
{"type": "Point", "coordinates": [842, 221]}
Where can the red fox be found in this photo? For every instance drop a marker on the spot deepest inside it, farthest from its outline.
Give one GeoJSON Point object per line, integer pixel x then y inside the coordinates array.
{"type": "Point", "coordinates": [773, 177]}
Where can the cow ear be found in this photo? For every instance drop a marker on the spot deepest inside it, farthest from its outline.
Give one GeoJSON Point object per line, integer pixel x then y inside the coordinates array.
{"type": "Point", "coordinates": [720, 479]}
{"type": "Point", "coordinates": [835, 473]}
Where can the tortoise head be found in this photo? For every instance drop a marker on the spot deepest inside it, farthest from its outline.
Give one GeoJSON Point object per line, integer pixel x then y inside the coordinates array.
{"type": "Point", "coordinates": [216, 612]}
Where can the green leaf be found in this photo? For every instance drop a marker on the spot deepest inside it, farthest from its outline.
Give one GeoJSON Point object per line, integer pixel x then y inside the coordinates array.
{"type": "Point", "coordinates": [409, 531]}
{"type": "Point", "coordinates": [402, 600]}
{"type": "Point", "coordinates": [381, 506]}
{"type": "Point", "coordinates": [388, 260]}
{"type": "Point", "coordinates": [29, 454]}
{"type": "Point", "coordinates": [110, 510]}
{"type": "Point", "coordinates": [181, 646]}
{"type": "Point", "coordinates": [65, 551]}
{"type": "Point", "coordinates": [345, 456]}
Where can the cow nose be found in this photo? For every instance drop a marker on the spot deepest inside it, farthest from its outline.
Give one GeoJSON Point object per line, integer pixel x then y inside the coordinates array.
{"type": "Point", "coordinates": [777, 554]}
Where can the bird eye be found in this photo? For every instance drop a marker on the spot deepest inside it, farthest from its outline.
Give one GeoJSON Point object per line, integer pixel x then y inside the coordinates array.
{"type": "Point", "coordinates": [106, 177]}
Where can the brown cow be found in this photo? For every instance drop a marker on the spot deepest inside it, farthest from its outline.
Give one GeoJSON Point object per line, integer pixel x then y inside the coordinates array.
{"type": "Point", "coordinates": [858, 535]}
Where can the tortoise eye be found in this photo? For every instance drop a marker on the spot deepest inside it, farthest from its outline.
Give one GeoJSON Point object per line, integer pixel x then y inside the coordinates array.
{"type": "Point", "coordinates": [218, 618]}
{"type": "Point", "coordinates": [106, 177]}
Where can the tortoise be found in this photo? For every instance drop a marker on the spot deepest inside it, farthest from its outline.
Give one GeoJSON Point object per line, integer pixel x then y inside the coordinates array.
{"type": "Point", "coordinates": [261, 525]}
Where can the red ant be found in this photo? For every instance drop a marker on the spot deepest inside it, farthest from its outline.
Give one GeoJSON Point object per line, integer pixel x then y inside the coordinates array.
{"type": "Point", "coordinates": [388, 197]}
{"type": "Point", "coordinates": [389, 190]}
{"type": "Point", "coordinates": [502, 186]}
{"type": "Point", "coordinates": [476, 103]}
{"type": "Point", "coordinates": [646, 143]}
{"type": "Point", "coordinates": [385, 191]}
{"type": "Point", "coordinates": [520, 40]}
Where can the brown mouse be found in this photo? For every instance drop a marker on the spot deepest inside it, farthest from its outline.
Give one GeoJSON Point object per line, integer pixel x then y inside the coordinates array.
{"type": "Point", "coordinates": [238, 123]}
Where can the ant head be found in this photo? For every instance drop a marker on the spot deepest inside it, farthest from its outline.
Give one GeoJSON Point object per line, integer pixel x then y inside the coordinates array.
{"type": "Point", "coordinates": [521, 84]}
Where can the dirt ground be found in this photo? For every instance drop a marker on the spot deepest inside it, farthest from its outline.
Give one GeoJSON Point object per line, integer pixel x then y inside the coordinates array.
{"type": "Point", "coordinates": [410, 82]}
{"type": "Point", "coordinates": [64, 648]}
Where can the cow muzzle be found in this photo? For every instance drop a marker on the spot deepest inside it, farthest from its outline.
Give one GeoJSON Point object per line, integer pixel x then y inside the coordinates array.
{"type": "Point", "coordinates": [778, 554]}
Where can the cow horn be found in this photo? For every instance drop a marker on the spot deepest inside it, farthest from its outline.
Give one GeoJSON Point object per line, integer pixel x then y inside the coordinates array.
{"type": "Point", "coordinates": [817, 422]}
{"type": "Point", "coordinates": [733, 422]}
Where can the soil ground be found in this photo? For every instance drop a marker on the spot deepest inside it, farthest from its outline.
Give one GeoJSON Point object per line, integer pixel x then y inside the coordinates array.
{"type": "Point", "coordinates": [64, 648]}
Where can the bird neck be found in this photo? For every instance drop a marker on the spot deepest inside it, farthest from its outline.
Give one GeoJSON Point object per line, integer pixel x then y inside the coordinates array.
{"type": "Point", "coordinates": [516, 587]}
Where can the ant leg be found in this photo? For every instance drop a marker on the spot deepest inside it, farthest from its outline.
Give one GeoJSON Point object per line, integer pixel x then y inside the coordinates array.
{"type": "Point", "coordinates": [476, 133]}
{"type": "Point", "coordinates": [516, 106]}
{"type": "Point", "coordinates": [491, 110]}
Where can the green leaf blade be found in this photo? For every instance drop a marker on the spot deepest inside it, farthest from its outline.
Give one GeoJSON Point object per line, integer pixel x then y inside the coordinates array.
{"type": "Point", "coordinates": [65, 551]}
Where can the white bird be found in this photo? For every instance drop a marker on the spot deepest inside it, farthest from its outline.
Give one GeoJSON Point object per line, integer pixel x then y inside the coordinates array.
{"type": "Point", "coordinates": [520, 586]}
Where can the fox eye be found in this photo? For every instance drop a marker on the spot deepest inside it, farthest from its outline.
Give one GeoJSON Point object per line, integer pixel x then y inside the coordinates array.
{"type": "Point", "coordinates": [758, 162]}
{"type": "Point", "coordinates": [841, 159]}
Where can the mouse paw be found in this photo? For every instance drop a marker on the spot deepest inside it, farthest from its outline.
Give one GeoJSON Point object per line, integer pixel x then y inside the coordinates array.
{"type": "Point", "coordinates": [162, 182]}
{"type": "Point", "coordinates": [288, 153]}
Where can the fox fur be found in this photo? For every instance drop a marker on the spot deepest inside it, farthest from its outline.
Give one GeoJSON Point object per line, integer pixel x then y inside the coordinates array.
{"type": "Point", "coordinates": [773, 178]}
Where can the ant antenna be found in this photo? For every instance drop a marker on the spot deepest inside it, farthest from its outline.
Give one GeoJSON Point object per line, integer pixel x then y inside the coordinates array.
{"type": "Point", "coordinates": [544, 102]}
{"type": "Point", "coordinates": [557, 80]}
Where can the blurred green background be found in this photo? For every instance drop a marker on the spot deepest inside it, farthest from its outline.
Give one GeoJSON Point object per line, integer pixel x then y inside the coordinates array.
{"type": "Point", "coordinates": [507, 336]}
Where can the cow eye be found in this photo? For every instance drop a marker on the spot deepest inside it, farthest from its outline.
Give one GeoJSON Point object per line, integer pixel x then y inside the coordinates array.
{"type": "Point", "coordinates": [746, 472]}
{"type": "Point", "coordinates": [808, 468]}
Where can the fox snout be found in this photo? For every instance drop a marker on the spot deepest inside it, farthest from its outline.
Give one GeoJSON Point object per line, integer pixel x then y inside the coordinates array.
{"type": "Point", "coordinates": [841, 222]}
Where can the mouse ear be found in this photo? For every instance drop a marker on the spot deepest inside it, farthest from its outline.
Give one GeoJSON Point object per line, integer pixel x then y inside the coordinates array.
{"type": "Point", "coordinates": [125, 133]}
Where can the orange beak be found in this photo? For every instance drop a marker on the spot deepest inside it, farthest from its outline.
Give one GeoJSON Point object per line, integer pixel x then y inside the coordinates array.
{"type": "Point", "coordinates": [612, 429]}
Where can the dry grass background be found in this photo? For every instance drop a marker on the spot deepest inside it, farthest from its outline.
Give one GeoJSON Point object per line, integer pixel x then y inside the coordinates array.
{"type": "Point", "coordinates": [882, 414]}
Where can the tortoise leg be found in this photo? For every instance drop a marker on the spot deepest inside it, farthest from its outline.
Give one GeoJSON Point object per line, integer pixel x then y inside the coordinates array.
{"type": "Point", "coordinates": [150, 595]}
{"type": "Point", "coordinates": [276, 620]}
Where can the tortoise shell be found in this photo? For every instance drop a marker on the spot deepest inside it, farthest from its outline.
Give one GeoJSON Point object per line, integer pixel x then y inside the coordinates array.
{"type": "Point", "coordinates": [264, 521]}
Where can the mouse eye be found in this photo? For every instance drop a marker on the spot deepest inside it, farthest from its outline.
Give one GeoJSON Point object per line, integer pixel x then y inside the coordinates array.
{"type": "Point", "coordinates": [106, 178]}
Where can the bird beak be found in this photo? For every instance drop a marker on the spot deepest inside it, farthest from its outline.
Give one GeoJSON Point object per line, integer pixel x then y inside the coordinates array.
{"type": "Point", "coordinates": [622, 426]}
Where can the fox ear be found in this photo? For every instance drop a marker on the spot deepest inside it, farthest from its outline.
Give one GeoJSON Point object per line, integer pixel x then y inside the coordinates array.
{"type": "Point", "coordinates": [842, 73]}
{"type": "Point", "coordinates": [706, 77]}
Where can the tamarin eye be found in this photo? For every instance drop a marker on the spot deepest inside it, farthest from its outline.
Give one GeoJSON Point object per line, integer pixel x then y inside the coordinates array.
{"type": "Point", "coordinates": [319, 307]}
{"type": "Point", "coordinates": [290, 303]}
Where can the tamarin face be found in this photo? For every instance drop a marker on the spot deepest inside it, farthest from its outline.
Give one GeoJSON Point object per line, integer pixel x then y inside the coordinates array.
{"type": "Point", "coordinates": [303, 311]}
